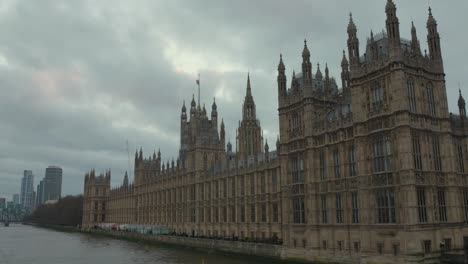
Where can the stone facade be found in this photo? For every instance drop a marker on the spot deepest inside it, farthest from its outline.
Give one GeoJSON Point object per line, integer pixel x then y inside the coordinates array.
{"type": "Point", "coordinates": [373, 170]}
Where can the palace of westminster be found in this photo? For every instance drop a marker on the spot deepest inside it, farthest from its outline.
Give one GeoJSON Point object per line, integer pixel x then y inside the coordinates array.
{"type": "Point", "coordinates": [374, 169]}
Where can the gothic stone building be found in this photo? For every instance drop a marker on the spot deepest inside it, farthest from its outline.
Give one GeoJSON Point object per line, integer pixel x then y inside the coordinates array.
{"type": "Point", "coordinates": [374, 170]}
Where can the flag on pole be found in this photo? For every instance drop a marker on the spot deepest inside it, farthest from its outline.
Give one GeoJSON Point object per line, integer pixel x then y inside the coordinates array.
{"type": "Point", "coordinates": [198, 81]}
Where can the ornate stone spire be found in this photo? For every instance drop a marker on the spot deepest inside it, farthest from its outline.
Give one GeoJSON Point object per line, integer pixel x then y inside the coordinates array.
{"type": "Point", "coordinates": [281, 79]}
{"type": "Point", "coordinates": [461, 105]}
{"type": "Point", "coordinates": [433, 39]}
{"type": "Point", "coordinates": [415, 47]}
{"type": "Point", "coordinates": [318, 74]}
{"type": "Point", "coordinates": [306, 66]}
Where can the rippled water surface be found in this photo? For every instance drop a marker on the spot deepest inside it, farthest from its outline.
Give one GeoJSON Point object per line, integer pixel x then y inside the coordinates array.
{"type": "Point", "coordinates": [21, 244]}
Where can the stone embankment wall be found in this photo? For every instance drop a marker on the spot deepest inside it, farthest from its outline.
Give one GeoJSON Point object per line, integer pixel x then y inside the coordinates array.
{"type": "Point", "coordinates": [254, 249]}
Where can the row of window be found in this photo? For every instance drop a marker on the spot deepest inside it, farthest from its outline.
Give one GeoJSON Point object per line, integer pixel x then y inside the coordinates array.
{"type": "Point", "coordinates": [412, 98]}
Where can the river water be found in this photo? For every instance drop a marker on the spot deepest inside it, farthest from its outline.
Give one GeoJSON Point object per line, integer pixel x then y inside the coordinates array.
{"type": "Point", "coordinates": [20, 244]}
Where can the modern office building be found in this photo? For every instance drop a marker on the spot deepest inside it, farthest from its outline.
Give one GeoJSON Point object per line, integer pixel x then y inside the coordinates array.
{"type": "Point", "coordinates": [2, 203]}
{"type": "Point", "coordinates": [40, 193]}
{"type": "Point", "coordinates": [52, 183]}
{"type": "Point", "coordinates": [16, 198]}
{"type": "Point", "coordinates": [27, 190]}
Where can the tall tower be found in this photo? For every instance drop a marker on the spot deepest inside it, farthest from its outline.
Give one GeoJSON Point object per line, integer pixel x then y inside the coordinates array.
{"type": "Point", "coordinates": [250, 137]}
{"type": "Point", "coordinates": [433, 40]}
{"type": "Point", "coordinates": [306, 66]}
{"type": "Point", "coordinates": [393, 28]}
{"type": "Point", "coordinates": [345, 75]}
{"type": "Point", "coordinates": [95, 198]}
{"type": "Point", "coordinates": [282, 90]}
{"type": "Point", "coordinates": [353, 42]}
{"type": "Point", "coordinates": [461, 106]}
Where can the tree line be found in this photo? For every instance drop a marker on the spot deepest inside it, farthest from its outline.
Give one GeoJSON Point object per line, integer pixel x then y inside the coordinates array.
{"type": "Point", "coordinates": [68, 211]}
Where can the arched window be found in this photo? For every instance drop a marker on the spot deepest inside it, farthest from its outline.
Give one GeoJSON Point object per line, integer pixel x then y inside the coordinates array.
{"type": "Point", "coordinates": [411, 95]}
{"type": "Point", "coordinates": [430, 99]}
{"type": "Point", "coordinates": [377, 96]}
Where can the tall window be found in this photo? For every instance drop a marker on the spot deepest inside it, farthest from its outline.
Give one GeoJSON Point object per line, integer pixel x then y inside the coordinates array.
{"type": "Point", "coordinates": [459, 150]}
{"type": "Point", "coordinates": [201, 215]}
{"type": "Point", "coordinates": [377, 96]}
{"type": "Point", "coordinates": [224, 214]}
{"type": "Point", "coordinates": [274, 181]}
{"type": "Point", "coordinates": [352, 161]}
{"type": "Point", "coordinates": [252, 213]}
{"type": "Point", "coordinates": [442, 205]}
{"type": "Point", "coordinates": [386, 206]}
{"type": "Point", "coordinates": [262, 183]}
{"type": "Point", "coordinates": [355, 207]}
{"type": "Point", "coordinates": [422, 213]}
{"type": "Point", "coordinates": [243, 214]}
{"type": "Point", "coordinates": [252, 184]}
{"type": "Point", "coordinates": [297, 170]}
{"type": "Point", "coordinates": [417, 153]}
{"type": "Point", "coordinates": [323, 199]}
{"type": "Point", "coordinates": [430, 100]}
{"type": "Point", "coordinates": [322, 161]}
{"type": "Point", "coordinates": [436, 153]}
{"type": "Point", "coordinates": [233, 187]}
{"type": "Point", "coordinates": [339, 209]}
{"type": "Point", "coordinates": [296, 121]}
{"type": "Point", "coordinates": [242, 178]}
{"type": "Point", "coordinates": [382, 151]}
{"type": "Point", "coordinates": [336, 163]}
{"type": "Point", "coordinates": [465, 203]}
{"type": "Point", "coordinates": [264, 212]}
{"type": "Point", "coordinates": [298, 210]}
{"type": "Point", "coordinates": [411, 96]}
{"type": "Point", "coordinates": [275, 212]}
{"type": "Point", "coordinates": [233, 214]}
{"type": "Point", "coordinates": [224, 188]}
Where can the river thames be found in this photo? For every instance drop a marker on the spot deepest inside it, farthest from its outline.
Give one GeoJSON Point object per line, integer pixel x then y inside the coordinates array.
{"type": "Point", "coordinates": [20, 244]}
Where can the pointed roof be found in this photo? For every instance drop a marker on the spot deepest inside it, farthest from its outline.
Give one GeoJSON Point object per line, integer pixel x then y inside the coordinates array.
{"type": "Point", "coordinates": [281, 64]}
{"type": "Point", "coordinates": [461, 100]}
{"type": "Point", "coordinates": [305, 51]}
{"type": "Point", "coordinates": [318, 75]}
{"type": "Point", "coordinates": [184, 109]}
{"type": "Point", "coordinates": [430, 20]}
{"type": "Point", "coordinates": [390, 6]}
{"type": "Point", "coordinates": [193, 103]}
{"type": "Point", "coordinates": [344, 61]}
{"type": "Point", "coordinates": [351, 25]}
{"type": "Point", "coordinates": [249, 89]}
{"type": "Point", "coordinates": [214, 107]}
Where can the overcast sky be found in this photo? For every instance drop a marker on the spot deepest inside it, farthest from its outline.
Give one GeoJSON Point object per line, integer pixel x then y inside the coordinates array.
{"type": "Point", "coordinates": [79, 78]}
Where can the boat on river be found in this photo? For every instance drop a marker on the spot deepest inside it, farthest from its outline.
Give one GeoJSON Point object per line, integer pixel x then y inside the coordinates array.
{"type": "Point", "coordinates": [6, 223]}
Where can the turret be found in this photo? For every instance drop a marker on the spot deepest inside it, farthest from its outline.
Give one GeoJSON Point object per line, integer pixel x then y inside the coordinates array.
{"type": "Point", "coordinates": [183, 115]}
{"type": "Point", "coordinates": [281, 78]}
{"type": "Point", "coordinates": [461, 106]}
{"type": "Point", "coordinates": [345, 74]}
{"type": "Point", "coordinates": [140, 157]}
{"type": "Point", "coordinates": [214, 115]}
{"type": "Point", "coordinates": [327, 78]}
{"type": "Point", "coordinates": [193, 107]}
{"type": "Point", "coordinates": [278, 145]}
{"type": "Point", "coordinates": [125, 181]}
{"type": "Point", "coordinates": [267, 151]}
{"type": "Point", "coordinates": [222, 134]}
{"type": "Point", "coordinates": [353, 42]}
{"type": "Point", "coordinates": [249, 112]}
{"type": "Point", "coordinates": [306, 66]}
{"type": "Point", "coordinates": [415, 46]}
{"type": "Point", "coordinates": [393, 27]}
{"type": "Point", "coordinates": [318, 74]}
{"type": "Point", "coordinates": [433, 39]}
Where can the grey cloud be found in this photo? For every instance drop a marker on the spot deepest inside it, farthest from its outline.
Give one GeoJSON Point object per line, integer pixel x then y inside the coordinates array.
{"type": "Point", "coordinates": [83, 77]}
